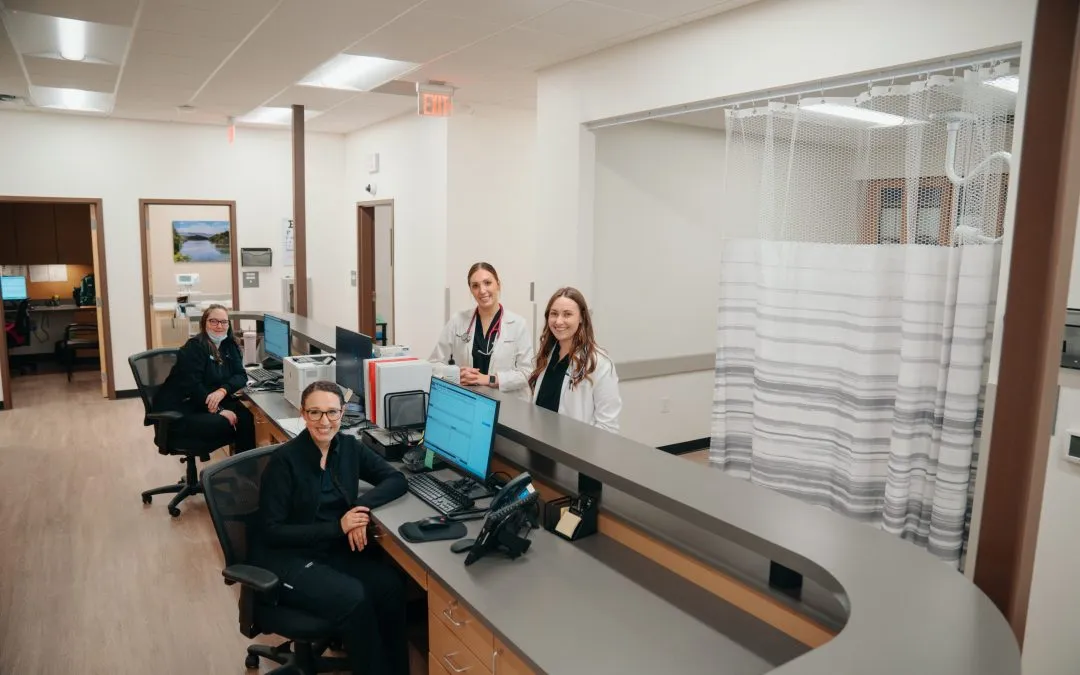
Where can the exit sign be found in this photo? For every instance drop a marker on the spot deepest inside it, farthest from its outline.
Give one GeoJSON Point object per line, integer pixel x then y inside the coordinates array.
{"type": "Point", "coordinates": [434, 100]}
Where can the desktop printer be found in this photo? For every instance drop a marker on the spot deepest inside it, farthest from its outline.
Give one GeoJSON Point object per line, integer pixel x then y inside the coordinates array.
{"type": "Point", "coordinates": [300, 371]}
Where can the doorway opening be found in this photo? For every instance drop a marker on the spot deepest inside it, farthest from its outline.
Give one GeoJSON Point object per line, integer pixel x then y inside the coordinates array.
{"type": "Point", "coordinates": [189, 260]}
{"type": "Point", "coordinates": [54, 293]}
{"type": "Point", "coordinates": [375, 270]}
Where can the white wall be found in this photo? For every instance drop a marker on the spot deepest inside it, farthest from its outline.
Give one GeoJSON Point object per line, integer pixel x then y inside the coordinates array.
{"type": "Point", "coordinates": [491, 201]}
{"type": "Point", "coordinates": [412, 171]}
{"type": "Point", "coordinates": [121, 161]}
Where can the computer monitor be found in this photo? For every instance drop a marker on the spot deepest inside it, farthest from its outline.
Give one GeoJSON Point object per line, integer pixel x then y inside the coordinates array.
{"type": "Point", "coordinates": [461, 427]}
{"type": "Point", "coordinates": [276, 337]}
{"type": "Point", "coordinates": [13, 288]}
{"type": "Point", "coordinates": [352, 349]}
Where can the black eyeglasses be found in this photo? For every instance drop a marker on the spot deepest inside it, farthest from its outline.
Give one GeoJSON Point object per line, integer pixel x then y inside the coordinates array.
{"type": "Point", "coordinates": [221, 323]}
{"type": "Point", "coordinates": [316, 415]}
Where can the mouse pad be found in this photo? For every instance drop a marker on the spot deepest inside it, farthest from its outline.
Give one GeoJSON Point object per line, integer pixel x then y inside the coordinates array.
{"type": "Point", "coordinates": [413, 534]}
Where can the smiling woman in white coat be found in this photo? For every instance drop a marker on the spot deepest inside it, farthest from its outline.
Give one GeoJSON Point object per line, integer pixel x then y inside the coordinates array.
{"type": "Point", "coordinates": [573, 376]}
{"type": "Point", "coordinates": [486, 345]}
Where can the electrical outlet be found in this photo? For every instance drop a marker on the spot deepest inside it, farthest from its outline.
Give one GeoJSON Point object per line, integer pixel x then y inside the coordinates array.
{"type": "Point", "coordinates": [665, 405]}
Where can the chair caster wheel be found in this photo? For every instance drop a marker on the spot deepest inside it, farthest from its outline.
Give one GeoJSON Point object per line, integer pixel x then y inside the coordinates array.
{"type": "Point", "coordinates": [251, 662]}
{"type": "Point", "coordinates": [174, 512]}
{"type": "Point", "coordinates": [146, 499]}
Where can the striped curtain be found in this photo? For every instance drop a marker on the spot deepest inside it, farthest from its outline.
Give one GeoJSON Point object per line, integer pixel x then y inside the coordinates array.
{"type": "Point", "coordinates": [852, 377]}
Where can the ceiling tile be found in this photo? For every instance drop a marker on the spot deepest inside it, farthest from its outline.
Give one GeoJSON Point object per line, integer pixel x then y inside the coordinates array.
{"type": "Point", "coordinates": [194, 47]}
{"type": "Point", "coordinates": [9, 61]}
{"type": "Point", "coordinates": [589, 23]}
{"type": "Point", "coordinates": [71, 74]}
{"type": "Point", "coordinates": [211, 23]}
{"type": "Point", "coordinates": [231, 6]}
{"type": "Point", "coordinates": [159, 94]}
{"type": "Point", "coordinates": [364, 109]}
{"type": "Point", "coordinates": [505, 12]}
{"type": "Point", "coordinates": [115, 12]}
{"type": "Point", "coordinates": [665, 9]}
{"type": "Point", "coordinates": [420, 36]}
{"type": "Point", "coordinates": [518, 48]}
{"type": "Point", "coordinates": [314, 98]}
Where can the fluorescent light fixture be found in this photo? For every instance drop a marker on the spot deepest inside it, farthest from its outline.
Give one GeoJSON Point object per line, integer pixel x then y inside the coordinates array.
{"type": "Point", "coordinates": [272, 115]}
{"type": "Point", "coordinates": [72, 39]}
{"type": "Point", "coordinates": [1006, 82]}
{"type": "Point", "coordinates": [846, 109]}
{"type": "Point", "coordinates": [78, 100]}
{"type": "Point", "coordinates": [356, 73]}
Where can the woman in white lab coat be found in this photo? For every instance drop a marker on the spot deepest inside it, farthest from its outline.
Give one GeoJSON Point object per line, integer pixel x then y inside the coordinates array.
{"type": "Point", "coordinates": [573, 376]}
{"type": "Point", "coordinates": [486, 345]}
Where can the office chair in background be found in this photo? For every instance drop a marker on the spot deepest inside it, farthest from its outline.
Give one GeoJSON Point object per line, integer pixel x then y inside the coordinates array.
{"type": "Point", "coordinates": [232, 496]}
{"type": "Point", "coordinates": [76, 336]}
{"type": "Point", "coordinates": [151, 368]}
{"type": "Point", "coordinates": [17, 333]}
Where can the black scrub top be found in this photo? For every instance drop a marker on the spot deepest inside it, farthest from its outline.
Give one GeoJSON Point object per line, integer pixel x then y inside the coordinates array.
{"type": "Point", "coordinates": [484, 343]}
{"type": "Point", "coordinates": [551, 386]}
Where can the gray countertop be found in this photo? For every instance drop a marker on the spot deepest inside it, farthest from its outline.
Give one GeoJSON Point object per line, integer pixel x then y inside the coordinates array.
{"type": "Point", "coordinates": [909, 613]}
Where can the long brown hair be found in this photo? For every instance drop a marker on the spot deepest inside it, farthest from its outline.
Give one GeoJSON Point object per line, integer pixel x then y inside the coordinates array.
{"type": "Point", "coordinates": [582, 348]}
{"type": "Point", "coordinates": [206, 337]}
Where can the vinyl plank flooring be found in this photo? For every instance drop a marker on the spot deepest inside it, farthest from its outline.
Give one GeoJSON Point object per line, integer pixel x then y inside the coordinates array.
{"type": "Point", "coordinates": [92, 581]}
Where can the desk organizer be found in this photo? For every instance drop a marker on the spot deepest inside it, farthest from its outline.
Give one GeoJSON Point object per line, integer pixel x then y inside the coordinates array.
{"type": "Point", "coordinates": [571, 518]}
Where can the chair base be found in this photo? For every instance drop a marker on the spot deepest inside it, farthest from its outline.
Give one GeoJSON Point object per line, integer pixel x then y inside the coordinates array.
{"type": "Point", "coordinates": [187, 486]}
{"type": "Point", "coordinates": [295, 658]}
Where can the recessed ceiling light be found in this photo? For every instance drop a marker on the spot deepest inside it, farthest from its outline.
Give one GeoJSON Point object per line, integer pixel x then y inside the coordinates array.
{"type": "Point", "coordinates": [356, 73]}
{"type": "Point", "coordinates": [272, 115]}
{"type": "Point", "coordinates": [1006, 82]}
{"type": "Point", "coordinates": [79, 100]}
{"type": "Point", "coordinates": [72, 39]}
{"type": "Point", "coordinates": [844, 109]}
{"type": "Point", "coordinates": [53, 37]}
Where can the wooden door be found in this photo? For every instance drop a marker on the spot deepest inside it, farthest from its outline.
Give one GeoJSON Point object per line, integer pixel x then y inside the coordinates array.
{"type": "Point", "coordinates": [365, 270]}
{"type": "Point", "coordinates": [8, 252]}
{"type": "Point", "coordinates": [98, 302]}
{"type": "Point", "coordinates": [73, 240]}
{"type": "Point", "coordinates": [35, 233]}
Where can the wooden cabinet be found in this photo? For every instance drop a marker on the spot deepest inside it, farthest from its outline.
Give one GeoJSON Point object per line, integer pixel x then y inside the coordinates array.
{"type": "Point", "coordinates": [35, 233]}
{"type": "Point", "coordinates": [506, 662]}
{"type": "Point", "coordinates": [8, 250]}
{"type": "Point", "coordinates": [73, 245]}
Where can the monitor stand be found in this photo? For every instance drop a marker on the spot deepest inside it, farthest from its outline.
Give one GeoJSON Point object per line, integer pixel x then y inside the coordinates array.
{"type": "Point", "coordinates": [471, 487]}
{"type": "Point", "coordinates": [270, 363]}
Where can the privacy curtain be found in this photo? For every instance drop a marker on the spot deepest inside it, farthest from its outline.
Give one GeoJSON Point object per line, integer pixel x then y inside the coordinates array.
{"type": "Point", "coordinates": [857, 304]}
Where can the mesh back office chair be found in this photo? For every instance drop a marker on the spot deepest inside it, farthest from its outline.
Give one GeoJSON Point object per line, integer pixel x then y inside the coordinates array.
{"type": "Point", "coordinates": [232, 495]}
{"type": "Point", "coordinates": [151, 368]}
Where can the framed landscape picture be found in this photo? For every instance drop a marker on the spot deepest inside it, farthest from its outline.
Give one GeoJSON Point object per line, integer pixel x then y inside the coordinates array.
{"type": "Point", "coordinates": [201, 241]}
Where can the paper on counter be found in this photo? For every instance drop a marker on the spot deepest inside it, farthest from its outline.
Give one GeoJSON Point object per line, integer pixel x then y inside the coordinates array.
{"type": "Point", "coordinates": [292, 425]}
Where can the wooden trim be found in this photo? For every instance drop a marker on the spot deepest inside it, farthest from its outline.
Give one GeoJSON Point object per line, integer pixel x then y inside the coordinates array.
{"type": "Point", "coordinates": [5, 367]}
{"type": "Point", "coordinates": [101, 281]}
{"type": "Point", "coordinates": [1046, 209]}
{"type": "Point", "coordinates": [144, 225]}
{"type": "Point", "coordinates": [365, 270]}
{"type": "Point", "coordinates": [377, 202]}
{"type": "Point", "coordinates": [756, 603]}
{"type": "Point", "coordinates": [390, 328]}
{"type": "Point", "coordinates": [299, 210]}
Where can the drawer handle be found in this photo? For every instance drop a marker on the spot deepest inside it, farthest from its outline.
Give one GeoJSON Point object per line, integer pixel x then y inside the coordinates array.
{"type": "Point", "coordinates": [449, 614]}
{"type": "Point", "coordinates": [450, 664]}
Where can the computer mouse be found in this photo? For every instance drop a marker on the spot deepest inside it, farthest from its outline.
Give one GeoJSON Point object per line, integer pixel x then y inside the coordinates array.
{"type": "Point", "coordinates": [433, 523]}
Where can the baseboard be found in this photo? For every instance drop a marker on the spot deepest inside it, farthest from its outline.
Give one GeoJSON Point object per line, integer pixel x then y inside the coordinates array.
{"type": "Point", "coordinates": [127, 393]}
{"type": "Point", "coordinates": [686, 446]}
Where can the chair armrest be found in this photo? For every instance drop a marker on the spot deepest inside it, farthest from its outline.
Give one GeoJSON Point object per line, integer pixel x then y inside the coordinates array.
{"type": "Point", "coordinates": [257, 578]}
{"type": "Point", "coordinates": [164, 416]}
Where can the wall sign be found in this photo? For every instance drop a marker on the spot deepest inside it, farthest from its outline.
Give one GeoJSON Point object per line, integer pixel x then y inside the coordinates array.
{"type": "Point", "coordinates": [251, 279]}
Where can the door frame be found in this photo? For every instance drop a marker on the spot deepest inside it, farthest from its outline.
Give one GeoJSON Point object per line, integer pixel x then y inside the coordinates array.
{"type": "Point", "coordinates": [144, 224]}
{"type": "Point", "coordinates": [97, 213]}
{"type": "Point", "coordinates": [360, 242]}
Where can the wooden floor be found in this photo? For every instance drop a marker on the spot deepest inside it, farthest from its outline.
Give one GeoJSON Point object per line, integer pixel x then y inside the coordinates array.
{"type": "Point", "coordinates": [91, 581]}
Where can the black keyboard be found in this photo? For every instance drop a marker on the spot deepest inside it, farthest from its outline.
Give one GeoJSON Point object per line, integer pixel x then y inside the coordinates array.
{"type": "Point", "coordinates": [438, 494]}
{"type": "Point", "coordinates": [263, 375]}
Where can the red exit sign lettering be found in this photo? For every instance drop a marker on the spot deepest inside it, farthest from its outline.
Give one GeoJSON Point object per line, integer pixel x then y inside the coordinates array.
{"type": "Point", "coordinates": [434, 100]}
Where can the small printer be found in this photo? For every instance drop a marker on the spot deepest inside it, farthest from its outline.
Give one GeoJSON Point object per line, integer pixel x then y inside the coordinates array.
{"type": "Point", "coordinates": [300, 371]}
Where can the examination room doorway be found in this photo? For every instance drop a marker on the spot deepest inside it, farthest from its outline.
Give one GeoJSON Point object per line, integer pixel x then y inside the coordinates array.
{"type": "Point", "coordinates": [375, 270]}
{"type": "Point", "coordinates": [54, 293]}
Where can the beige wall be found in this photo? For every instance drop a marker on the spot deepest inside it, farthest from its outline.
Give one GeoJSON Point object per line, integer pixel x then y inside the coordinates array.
{"type": "Point", "coordinates": [215, 279]}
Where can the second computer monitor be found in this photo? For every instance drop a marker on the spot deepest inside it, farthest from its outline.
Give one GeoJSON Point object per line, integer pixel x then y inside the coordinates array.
{"type": "Point", "coordinates": [461, 427]}
{"type": "Point", "coordinates": [13, 288]}
{"type": "Point", "coordinates": [352, 349]}
{"type": "Point", "coordinates": [276, 337]}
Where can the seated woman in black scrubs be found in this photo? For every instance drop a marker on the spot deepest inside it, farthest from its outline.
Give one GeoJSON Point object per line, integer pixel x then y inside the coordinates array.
{"type": "Point", "coordinates": [208, 371]}
{"type": "Point", "coordinates": [313, 534]}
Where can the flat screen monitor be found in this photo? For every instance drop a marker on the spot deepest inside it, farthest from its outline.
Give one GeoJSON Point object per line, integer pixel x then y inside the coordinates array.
{"type": "Point", "coordinates": [276, 337]}
{"type": "Point", "coordinates": [461, 427]}
{"type": "Point", "coordinates": [13, 288]}
{"type": "Point", "coordinates": [352, 349]}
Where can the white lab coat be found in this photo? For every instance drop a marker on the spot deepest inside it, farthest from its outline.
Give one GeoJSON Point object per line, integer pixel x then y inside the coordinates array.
{"type": "Point", "coordinates": [596, 402]}
{"type": "Point", "coordinates": [512, 357]}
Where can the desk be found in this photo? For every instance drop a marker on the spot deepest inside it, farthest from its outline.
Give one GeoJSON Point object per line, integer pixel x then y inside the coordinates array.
{"type": "Point", "coordinates": [49, 323]}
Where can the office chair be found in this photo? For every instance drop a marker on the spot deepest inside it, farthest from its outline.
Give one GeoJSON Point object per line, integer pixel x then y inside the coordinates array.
{"type": "Point", "coordinates": [150, 369]}
{"type": "Point", "coordinates": [76, 336]}
{"type": "Point", "coordinates": [232, 496]}
{"type": "Point", "coordinates": [17, 333]}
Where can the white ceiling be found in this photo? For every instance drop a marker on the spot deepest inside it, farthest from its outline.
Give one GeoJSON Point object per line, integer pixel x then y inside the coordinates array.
{"type": "Point", "coordinates": [228, 57]}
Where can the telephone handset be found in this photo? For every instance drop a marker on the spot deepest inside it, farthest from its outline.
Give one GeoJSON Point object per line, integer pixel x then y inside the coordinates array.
{"type": "Point", "coordinates": [508, 518]}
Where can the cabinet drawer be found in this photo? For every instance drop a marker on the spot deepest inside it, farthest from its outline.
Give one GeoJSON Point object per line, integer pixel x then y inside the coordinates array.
{"type": "Point", "coordinates": [459, 621]}
{"type": "Point", "coordinates": [400, 555]}
{"type": "Point", "coordinates": [506, 662]}
{"type": "Point", "coordinates": [448, 651]}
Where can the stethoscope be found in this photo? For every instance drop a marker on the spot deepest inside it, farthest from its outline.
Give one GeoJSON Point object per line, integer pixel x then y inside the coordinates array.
{"type": "Point", "coordinates": [493, 331]}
